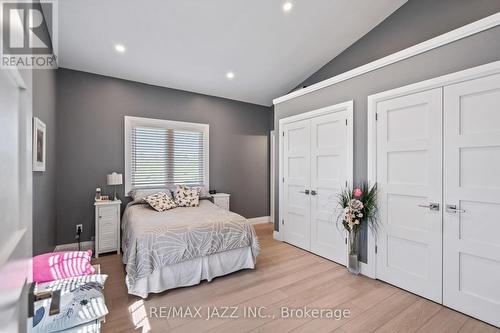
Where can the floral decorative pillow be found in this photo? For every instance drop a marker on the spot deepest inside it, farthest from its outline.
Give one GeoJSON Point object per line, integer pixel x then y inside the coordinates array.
{"type": "Point", "coordinates": [160, 201]}
{"type": "Point", "coordinates": [187, 197]}
{"type": "Point", "coordinates": [180, 188]}
{"type": "Point", "coordinates": [202, 191]}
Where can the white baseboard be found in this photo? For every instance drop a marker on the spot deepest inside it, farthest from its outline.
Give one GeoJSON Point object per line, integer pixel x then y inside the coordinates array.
{"type": "Point", "coordinates": [259, 220]}
{"type": "Point", "coordinates": [84, 246]}
{"type": "Point", "coordinates": [276, 235]}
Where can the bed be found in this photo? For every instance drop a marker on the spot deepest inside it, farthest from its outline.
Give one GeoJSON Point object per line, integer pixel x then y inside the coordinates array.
{"type": "Point", "coordinates": [183, 246]}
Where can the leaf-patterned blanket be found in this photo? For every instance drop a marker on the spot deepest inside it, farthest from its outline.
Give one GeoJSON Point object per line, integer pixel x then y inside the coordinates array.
{"type": "Point", "coordinates": [152, 239]}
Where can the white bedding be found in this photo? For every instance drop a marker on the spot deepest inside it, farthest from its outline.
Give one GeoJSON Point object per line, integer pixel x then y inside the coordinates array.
{"type": "Point", "coordinates": [182, 246]}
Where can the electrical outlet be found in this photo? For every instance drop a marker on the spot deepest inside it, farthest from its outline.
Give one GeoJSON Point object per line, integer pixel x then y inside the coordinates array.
{"type": "Point", "coordinates": [79, 227]}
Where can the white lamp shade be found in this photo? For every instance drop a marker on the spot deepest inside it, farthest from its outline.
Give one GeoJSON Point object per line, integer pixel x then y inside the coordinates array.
{"type": "Point", "coordinates": [115, 179]}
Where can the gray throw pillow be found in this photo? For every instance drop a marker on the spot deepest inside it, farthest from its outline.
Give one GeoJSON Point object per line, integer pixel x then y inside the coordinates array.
{"type": "Point", "coordinates": [138, 195]}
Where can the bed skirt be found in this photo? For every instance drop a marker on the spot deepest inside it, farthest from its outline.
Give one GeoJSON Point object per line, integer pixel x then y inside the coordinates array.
{"type": "Point", "coordinates": [192, 272]}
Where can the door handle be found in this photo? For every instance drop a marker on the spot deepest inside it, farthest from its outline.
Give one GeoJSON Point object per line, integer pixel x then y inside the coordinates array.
{"type": "Point", "coordinates": [431, 206]}
{"type": "Point", "coordinates": [313, 192]}
{"type": "Point", "coordinates": [306, 192]}
{"type": "Point", "coordinates": [453, 209]}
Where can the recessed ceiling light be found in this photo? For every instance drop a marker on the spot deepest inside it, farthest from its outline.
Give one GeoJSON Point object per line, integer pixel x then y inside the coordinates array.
{"type": "Point", "coordinates": [230, 75]}
{"type": "Point", "coordinates": [287, 6]}
{"type": "Point", "coordinates": [119, 48]}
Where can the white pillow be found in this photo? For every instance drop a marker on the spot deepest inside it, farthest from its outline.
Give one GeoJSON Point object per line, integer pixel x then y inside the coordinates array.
{"type": "Point", "coordinates": [204, 192]}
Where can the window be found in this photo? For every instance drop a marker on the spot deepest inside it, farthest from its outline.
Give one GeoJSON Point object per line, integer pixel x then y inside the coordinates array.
{"type": "Point", "coordinates": [163, 153]}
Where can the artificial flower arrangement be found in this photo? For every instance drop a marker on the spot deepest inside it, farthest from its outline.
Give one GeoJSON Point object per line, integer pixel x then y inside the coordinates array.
{"type": "Point", "coordinates": [359, 207]}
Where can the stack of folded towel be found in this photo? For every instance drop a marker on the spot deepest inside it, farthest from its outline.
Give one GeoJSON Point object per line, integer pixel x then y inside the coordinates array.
{"type": "Point", "coordinates": [70, 280]}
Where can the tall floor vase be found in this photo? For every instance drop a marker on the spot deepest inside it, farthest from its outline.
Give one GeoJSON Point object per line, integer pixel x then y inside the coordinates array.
{"type": "Point", "coordinates": [353, 261]}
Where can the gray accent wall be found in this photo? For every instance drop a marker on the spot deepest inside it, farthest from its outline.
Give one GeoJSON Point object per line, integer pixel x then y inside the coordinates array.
{"type": "Point", "coordinates": [44, 183]}
{"type": "Point", "coordinates": [414, 22]}
{"type": "Point", "coordinates": [90, 142]}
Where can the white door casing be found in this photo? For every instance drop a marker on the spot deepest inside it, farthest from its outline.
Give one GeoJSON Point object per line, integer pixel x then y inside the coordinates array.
{"type": "Point", "coordinates": [409, 178]}
{"type": "Point", "coordinates": [272, 157]}
{"type": "Point", "coordinates": [331, 171]}
{"type": "Point", "coordinates": [16, 200]}
{"type": "Point", "coordinates": [471, 242]}
{"type": "Point", "coordinates": [296, 170]}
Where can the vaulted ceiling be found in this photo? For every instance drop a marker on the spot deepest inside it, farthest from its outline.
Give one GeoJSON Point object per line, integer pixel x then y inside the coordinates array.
{"type": "Point", "coordinates": [270, 46]}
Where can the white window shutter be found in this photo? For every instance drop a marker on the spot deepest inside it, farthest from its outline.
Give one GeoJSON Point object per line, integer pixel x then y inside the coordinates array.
{"type": "Point", "coordinates": [163, 157]}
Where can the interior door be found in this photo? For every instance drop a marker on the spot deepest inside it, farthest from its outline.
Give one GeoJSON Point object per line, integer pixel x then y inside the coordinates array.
{"type": "Point", "coordinates": [329, 174]}
{"type": "Point", "coordinates": [296, 171]}
{"type": "Point", "coordinates": [409, 176]}
{"type": "Point", "coordinates": [471, 263]}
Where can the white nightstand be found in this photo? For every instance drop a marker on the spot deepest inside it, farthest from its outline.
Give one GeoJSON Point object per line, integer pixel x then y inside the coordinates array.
{"type": "Point", "coordinates": [221, 200]}
{"type": "Point", "coordinates": [107, 226]}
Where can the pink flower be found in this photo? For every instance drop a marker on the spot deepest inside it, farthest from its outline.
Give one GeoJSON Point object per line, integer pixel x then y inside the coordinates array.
{"type": "Point", "coordinates": [357, 192]}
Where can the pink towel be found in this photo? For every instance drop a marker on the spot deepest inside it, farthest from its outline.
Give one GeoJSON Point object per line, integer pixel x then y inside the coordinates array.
{"type": "Point", "coordinates": [60, 265]}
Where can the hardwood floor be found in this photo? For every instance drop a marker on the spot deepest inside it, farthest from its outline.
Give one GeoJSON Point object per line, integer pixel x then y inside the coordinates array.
{"type": "Point", "coordinates": [285, 276]}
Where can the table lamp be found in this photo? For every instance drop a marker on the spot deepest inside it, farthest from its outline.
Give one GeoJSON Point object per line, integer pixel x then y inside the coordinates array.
{"type": "Point", "coordinates": [115, 179]}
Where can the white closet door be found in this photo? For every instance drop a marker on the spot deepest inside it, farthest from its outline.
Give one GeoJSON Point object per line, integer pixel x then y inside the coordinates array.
{"type": "Point", "coordinates": [409, 169]}
{"type": "Point", "coordinates": [329, 173]}
{"type": "Point", "coordinates": [296, 171]}
{"type": "Point", "coordinates": [471, 267]}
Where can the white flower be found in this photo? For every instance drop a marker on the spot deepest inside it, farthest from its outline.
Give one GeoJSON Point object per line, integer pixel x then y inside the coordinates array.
{"type": "Point", "coordinates": [356, 222]}
{"type": "Point", "coordinates": [360, 215]}
{"type": "Point", "coordinates": [355, 205]}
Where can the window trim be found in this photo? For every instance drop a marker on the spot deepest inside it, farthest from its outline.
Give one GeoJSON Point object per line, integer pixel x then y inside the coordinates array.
{"type": "Point", "coordinates": [131, 122]}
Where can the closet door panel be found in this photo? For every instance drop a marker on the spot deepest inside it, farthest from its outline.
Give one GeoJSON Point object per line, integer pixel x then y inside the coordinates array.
{"type": "Point", "coordinates": [409, 177]}
{"type": "Point", "coordinates": [471, 262]}
{"type": "Point", "coordinates": [329, 174]}
{"type": "Point", "coordinates": [296, 172]}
